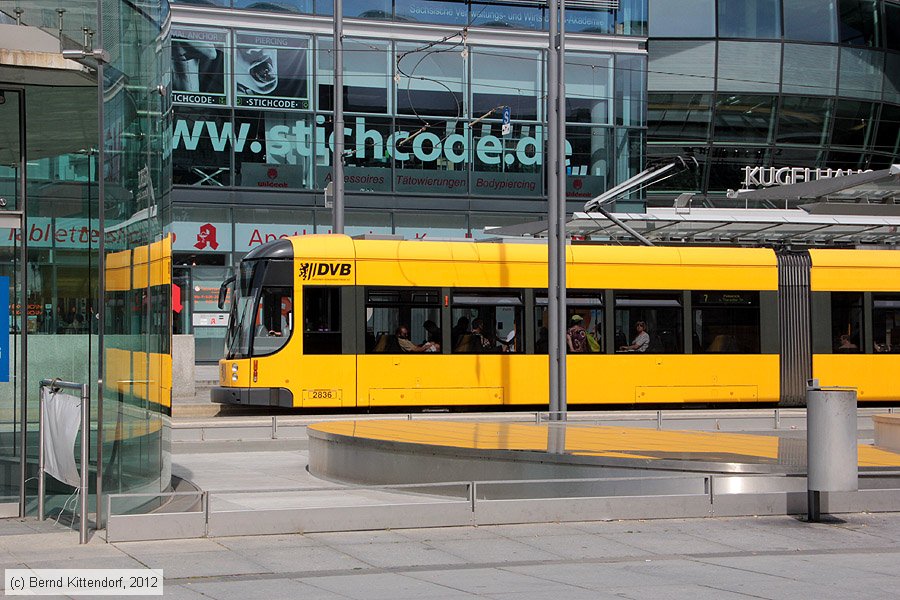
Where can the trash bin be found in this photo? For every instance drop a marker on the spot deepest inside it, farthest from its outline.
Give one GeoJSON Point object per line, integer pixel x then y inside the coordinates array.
{"type": "Point", "coordinates": [831, 446]}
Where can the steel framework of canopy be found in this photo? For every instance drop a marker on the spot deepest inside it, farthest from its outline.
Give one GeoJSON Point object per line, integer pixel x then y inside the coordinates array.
{"type": "Point", "coordinates": [861, 209]}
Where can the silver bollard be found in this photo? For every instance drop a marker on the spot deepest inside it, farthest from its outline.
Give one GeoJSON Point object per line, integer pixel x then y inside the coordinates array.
{"type": "Point", "coordinates": [831, 446]}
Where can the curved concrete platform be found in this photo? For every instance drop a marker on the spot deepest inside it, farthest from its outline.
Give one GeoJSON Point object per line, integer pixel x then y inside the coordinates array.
{"type": "Point", "coordinates": [385, 452]}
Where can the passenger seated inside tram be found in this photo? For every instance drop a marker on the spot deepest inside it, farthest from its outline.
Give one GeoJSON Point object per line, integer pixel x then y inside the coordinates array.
{"type": "Point", "coordinates": [641, 341]}
{"type": "Point", "coordinates": [460, 329]}
{"type": "Point", "coordinates": [483, 336]}
{"type": "Point", "coordinates": [433, 336]}
{"type": "Point", "coordinates": [845, 344]}
{"type": "Point", "coordinates": [408, 346]}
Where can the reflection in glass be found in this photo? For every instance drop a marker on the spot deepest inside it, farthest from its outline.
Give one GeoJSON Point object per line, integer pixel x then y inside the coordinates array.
{"type": "Point", "coordinates": [809, 70]}
{"type": "Point", "coordinates": [367, 75]}
{"type": "Point", "coordinates": [888, 137]}
{"type": "Point", "coordinates": [432, 82]}
{"type": "Point", "coordinates": [363, 9]}
{"type": "Point", "coordinates": [757, 19]}
{"type": "Point", "coordinates": [804, 120]}
{"type": "Point", "coordinates": [428, 11]}
{"type": "Point", "coordinates": [744, 118]}
{"type": "Point", "coordinates": [892, 78]}
{"type": "Point", "coordinates": [286, 6]}
{"type": "Point", "coordinates": [749, 66]}
{"type": "Point", "coordinates": [512, 15]}
{"type": "Point", "coordinates": [631, 18]}
{"type": "Point", "coordinates": [421, 226]}
{"type": "Point", "coordinates": [810, 20]}
{"type": "Point", "coordinates": [506, 78]}
{"type": "Point", "coordinates": [590, 21]}
{"type": "Point", "coordinates": [277, 152]}
{"type": "Point", "coordinates": [858, 22]}
{"type": "Point", "coordinates": [201, 148]}
{"type": "Point", "coordinates": [861, 73]}
{"type": "Point", "coordinates": [682, 18]}
{"type": "Point", "coordinates": [677, 117]}
{"type": "Point", "coordinates": [689, 180]}
{"type": "Point", "coordinates": [590, 169]}
{"type": "Point", "coordinates": [892, 25]}
{"type": "Point", "coordinates": [726, 166]}
{"type": "Point", "coordinates": [589, 88]}
{"type": "Point", "coordinates": [853, 124]}
{"type": "Point", "coordinates": [631, 109]}
{"type": "Point", "coordinates": [629, 155]}
{"type": "Point", "coordinates": [681, 66]}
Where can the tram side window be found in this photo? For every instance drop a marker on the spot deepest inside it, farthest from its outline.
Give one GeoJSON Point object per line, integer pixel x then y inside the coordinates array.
{"type": "Point", "coordinates": [725, 322]}
{"type": "Point", "coordinates": [584, 322]}
{"type": "Point", "coordinates": [886, 322]}
{"type": "Point", "coordinates": [650, 323]}
{"type": "Point", "coordinates": [273, 322]}
{"type": "Point", "coordinates": [400, 320]}
{"type": "Point", "coordinates": [847, 322]}
{"type": "Point", "coordinates": [322, 320]}
{"type": "Point", "coordinates": [487, 321]}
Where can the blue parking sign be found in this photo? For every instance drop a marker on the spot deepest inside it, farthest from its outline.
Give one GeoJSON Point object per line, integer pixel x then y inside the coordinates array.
{"type": "Point", "coordinates": [506, 127]}
{"type": "Point", "coordinates": [4, 329]}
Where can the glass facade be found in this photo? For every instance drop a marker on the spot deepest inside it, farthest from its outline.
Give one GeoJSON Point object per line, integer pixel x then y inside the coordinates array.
{"type": "Point", "coordinates": [92, 316]}
{"type": "Point", "coordinates": [771, 83]}
{"type": "Point", "coordinates": [419, 119]}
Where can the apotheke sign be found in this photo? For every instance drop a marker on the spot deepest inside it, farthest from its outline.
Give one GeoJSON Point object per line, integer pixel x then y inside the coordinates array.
{"type": "Point", "coordinates": [772, 176]}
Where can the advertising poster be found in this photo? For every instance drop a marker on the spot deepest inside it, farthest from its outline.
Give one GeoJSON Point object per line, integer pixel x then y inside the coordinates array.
{"type": "Point", "coordinates": [199, 66]}
{"type": "Point", "coordinates": [271, 71]}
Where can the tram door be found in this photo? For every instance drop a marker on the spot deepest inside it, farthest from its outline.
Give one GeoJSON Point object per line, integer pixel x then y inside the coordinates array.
{"type": "Point", "coordinates": [13, 307]}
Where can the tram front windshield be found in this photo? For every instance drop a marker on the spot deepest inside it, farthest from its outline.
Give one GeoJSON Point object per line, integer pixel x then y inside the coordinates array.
{"type": "Point", "coordinates": [262, 315]}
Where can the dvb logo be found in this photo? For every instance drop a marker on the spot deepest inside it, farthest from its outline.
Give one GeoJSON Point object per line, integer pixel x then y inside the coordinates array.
{"type": "Point", "coordinates": [310, 271]}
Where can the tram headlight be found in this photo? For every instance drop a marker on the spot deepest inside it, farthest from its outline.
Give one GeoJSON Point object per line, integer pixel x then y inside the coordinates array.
{"type": "Point", "coordinates": [234, 372]}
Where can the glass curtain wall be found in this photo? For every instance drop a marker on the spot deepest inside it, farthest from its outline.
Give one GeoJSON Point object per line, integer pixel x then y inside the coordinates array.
{"type": "Point", "coordinates": [137, 294]}
{"type": "Point", "coordinates": [783, 83]}
{"type": "Point", "coordinates": [419, 118]}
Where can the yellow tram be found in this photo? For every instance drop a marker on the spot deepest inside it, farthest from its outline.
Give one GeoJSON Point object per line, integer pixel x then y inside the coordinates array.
{"type": "Point", "coordinates": [328, 321]}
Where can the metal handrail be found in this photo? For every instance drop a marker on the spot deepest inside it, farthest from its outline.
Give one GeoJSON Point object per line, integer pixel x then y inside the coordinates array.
{"type": "Point", "coordinates": [58, 384]}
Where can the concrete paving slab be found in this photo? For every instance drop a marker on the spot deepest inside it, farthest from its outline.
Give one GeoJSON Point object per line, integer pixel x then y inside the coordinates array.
{"type": "Point", "coordinates": [271, 589]}
{"type": "Point", "coordinates": [386, 586]}
{"type": "Point", "coordinates": [497, 550]}
{"type": "Point", "coordinates": [202, 564]}
{"type": "Point", "coordinates": [780, 589]}
{"type": "Point", "coordinates": [182, 592]}
{"type": "Point", "coordinates": [486, 581]}
{"type": "Point", "coordinates": [138, 549]}
{"type": "Point", "coordinates": [583, 546]}
{"type": "Point", "coordinates": [302, 559]}
{"type": "Point", "coordinates": [245, 543]}
{"type": "Point", "coordinates": [394, 555]}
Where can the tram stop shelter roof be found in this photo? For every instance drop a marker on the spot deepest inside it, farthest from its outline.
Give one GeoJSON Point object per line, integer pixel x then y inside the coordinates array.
{"type": "Point", "coordinates": [861, 209]}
